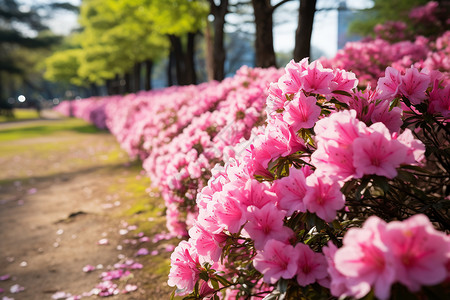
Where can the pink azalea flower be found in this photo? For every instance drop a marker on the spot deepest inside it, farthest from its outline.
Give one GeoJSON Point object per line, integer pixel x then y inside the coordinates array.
{"type": "Point", "coordinates": [259, 194]}
{"type": "Point", "coordinates": [414, 85]}
{"type": "Point", "coordinates": [343, 81]}
{"type": "Point", "coordinates": [316, 79]}
{"type": "Point", "coordinates": [388, 85]}
{"type": "Point", "coordinates": [392, 119]}
{"type": "Point", "coordinates": [440, 100]}
{"type": "Point", "coordinates": [342, 127]}
{"type": "Point", "coordinates": [277, 260]}
{"type": "Point", "coordinates": [377, 153]}
{"type": "Point", "coordinates": [302, 112]}
{"type": "Point", "coordinates": [230, 212]}
{"type": "Point", "coordinates": [207, 243]}
{"type": "Point", "coordinates": [184, 270]}
{"type": "Point", "coordinates": [291, 190]}
{"type": "Point", "coordinates": [338, 284]}
{"type": "Point", "coordinates": [415, 148]}
{"type": "Point", "coordinates": [312, 266]}
{"type": "Point", "coordinates": [291, 82]}
{"type": "Point", "coordinates": [266, 223]}
{"type": "Point", "coordinates": [275, 99]}
{"type": "Point", "coordinates": [281, 140]}
{"type": "Point", "coordinates": [420, 252]}
{"type": "Point", "coordinates": [365, 260]}
{"type": "Point", "coordinates": [334, 161]}
{"type": "Point", "coordinates": [323, 197]}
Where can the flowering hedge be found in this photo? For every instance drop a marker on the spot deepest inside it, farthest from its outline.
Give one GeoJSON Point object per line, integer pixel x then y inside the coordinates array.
{"type": "Point", "coordinates": [336, 196]}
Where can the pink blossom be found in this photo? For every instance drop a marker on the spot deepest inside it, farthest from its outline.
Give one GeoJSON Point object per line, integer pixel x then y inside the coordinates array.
{"type": "Point", "coordinates": [420, 252]}
{"type": "Point", "coordinates": [343, 81]}
{"type": "Point", "coordinates": [258, 194]}
{"type": "Point", "coordinates": [266, 223]}
{"type": "Point", "coordinates": [311, 265]}
{"type": "Point", "coordinates": [277, 260]}
{"type": "Point", "coordinates": [389, 84]}
{"type": "Point", "coordinates": [184, 270]}
{"type": "Point", "coordinates": [415, 148]}
{"type": "Point", "coordinates": [206, 242]}
{"type": "Point", "coordinates": [338, 284]}
{"type": "Point", "coordinates": [291, 82]}
{"type": "Point", "coordinates": [414, 85]}
{"type": "Point", "coordinates": [365, 260]}
{"type": "Point", "coordinates": [292, 189]}
{"type": "Point", "coordinates": [230, 211]}
{"type": "Point", "coordinates": [316, 79]}
{"type": "Point", "coordinates": [323, 197]}
{"type": "Point", "coordinates": [377, 153]}
{"type": "Point", "coordinates": [440, 100]}
{"type": "Point", "coordinates": [302, 112]}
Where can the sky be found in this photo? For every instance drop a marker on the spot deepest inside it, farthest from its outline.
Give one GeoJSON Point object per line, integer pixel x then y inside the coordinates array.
{"type": "Point", "coordinates": [324, 35]}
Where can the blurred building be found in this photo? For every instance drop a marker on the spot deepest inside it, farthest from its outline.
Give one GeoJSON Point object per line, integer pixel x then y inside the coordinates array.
{"type": "Point", "coordinates": [345, 17]}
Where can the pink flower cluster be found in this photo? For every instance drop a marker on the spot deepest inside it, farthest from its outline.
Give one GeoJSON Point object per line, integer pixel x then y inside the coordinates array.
{"type": "Point", "coordinates": [379, 254]}
{"type": "Point", "coordinates": [300, 171]}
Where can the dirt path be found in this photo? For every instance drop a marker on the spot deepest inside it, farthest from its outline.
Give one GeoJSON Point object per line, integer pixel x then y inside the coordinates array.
{"type": "Point", "coordinates": [60, 194]}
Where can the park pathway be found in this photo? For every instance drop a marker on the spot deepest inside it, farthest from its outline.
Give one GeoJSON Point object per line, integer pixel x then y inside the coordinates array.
{"type": "Point", "coordinates": [64, 194]}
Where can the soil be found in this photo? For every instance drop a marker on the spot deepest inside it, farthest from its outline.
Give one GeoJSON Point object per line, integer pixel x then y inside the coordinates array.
{"type": "Point", "coordinates": [59, 195]}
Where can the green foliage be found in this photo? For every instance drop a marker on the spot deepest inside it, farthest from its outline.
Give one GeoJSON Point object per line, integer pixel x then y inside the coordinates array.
{"type": "Point", "coordinates": [382, 11]}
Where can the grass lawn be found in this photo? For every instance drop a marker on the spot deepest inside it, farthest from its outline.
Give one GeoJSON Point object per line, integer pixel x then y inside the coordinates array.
{"type": "Point", "coordinates": [21, 114]}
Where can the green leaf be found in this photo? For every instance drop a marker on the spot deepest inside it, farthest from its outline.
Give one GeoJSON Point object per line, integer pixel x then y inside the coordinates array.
{"type": "Point", "coordinates": [215, 284]}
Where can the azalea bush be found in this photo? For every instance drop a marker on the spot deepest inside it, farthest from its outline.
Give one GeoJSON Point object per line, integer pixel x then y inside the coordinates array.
{"type": "Point", "coordinates": [342, 194]}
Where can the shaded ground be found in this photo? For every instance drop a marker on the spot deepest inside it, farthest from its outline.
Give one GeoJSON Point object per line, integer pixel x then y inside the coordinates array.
{"type": "Point", "coordinates": [63, 187]}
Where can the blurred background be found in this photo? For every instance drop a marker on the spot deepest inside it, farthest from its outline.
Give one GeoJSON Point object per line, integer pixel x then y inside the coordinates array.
{"type": "Point", "coordinates": [56, 50]}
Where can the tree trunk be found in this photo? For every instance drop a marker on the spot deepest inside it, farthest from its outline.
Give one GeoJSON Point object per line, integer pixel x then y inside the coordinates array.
{"type": "Point", "coordinates": [109, 86]}
{"type": "Point", "coordinates": [303, 33]}
{"type": "Point", "coordinates": [176, 47]}
{"type": "Point", "coordinates": [94, 89]}
{"type": "Point", "coordinates": [218, 60]}
{"type": "Point", "coordinates": [136, 77]}
{"type": "Point", "coordinates": [265, 53]}
{"type": "Point", "coordinates": [127, 78]}
{"type": "Point", "coordinates": [191, 76]}
{"type": "Point", "coordinates": [170, 68]}
{"type": "Point", "coordinates": [148, 75]}
{"type": "Point", "coordinates": [209, 52]}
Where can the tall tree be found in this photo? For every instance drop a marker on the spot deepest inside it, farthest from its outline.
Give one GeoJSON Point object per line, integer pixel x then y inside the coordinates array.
{"type": "Point", "coordinates": [306, 12]}
{"type": "Point", "coordinates": [20, 51]}
{"type": "Point", "coordinates": [180, 20]}
{"type": "Point", "coordinates": [263, 11]}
